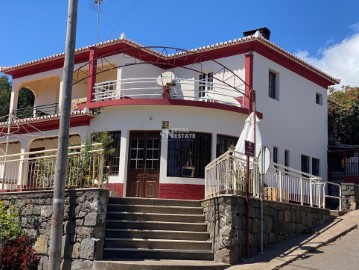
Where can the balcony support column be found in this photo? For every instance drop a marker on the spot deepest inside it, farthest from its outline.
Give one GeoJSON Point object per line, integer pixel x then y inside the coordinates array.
{"type": "Point", "coordinates": [248, 61]}
{"type": "Point", "coordinates": [14, 97]}
{"type": "Point", "coordinates": [23, 165]}
{"type": "Point", "coordinates": [92, 74]}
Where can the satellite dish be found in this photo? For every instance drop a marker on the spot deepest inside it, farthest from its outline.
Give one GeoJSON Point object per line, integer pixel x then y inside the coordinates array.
{"type": "Point", "coordinates": [166, 78]}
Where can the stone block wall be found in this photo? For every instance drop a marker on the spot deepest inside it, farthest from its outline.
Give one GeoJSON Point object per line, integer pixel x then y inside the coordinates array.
{"type": "Point", "coordinates": [84, 224]}
{"type": "Point", "coordinates": [350, 197]}
{"type": "Point", "coordinates": [226, 217]}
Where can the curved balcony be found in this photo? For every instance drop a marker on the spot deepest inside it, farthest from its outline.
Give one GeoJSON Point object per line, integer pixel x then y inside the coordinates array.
{"type": "Point", "coordinates": [180, 89]}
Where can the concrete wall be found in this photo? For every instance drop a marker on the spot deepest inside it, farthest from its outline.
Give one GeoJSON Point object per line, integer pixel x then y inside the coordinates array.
{"type": "Point", "coordinates": [294, 122]}
{"type": "Point", "coordinates": [226, 223]}
{"type": "Point", "coordinates": [84, 224]}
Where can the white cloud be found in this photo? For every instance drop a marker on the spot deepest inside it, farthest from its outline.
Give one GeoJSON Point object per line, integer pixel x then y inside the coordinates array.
{"type": "Point", "coordinates": [340, 60]}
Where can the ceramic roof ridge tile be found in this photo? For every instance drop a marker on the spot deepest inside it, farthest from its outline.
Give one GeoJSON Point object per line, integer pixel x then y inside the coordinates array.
{"type": "Point", "coordinates": [182, 53]}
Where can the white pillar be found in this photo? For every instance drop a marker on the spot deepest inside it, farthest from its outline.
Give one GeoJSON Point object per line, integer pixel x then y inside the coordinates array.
{"type": "Point", "coordinates": [60, 94]}
{"type": "Point", "coordinates": [124, 148]}
{"type": "Point", "coordinates": [164, 155]}
{"type": "Point", "coordinates": [14, 96]}
{"type": "Point", "coordinates": [214, 146]}
{"type": "Point", "coordinates": [23, 164]}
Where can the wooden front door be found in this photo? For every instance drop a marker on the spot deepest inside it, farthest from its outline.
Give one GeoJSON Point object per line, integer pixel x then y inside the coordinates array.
{"type": "Point", "coordinates": [144, 164]}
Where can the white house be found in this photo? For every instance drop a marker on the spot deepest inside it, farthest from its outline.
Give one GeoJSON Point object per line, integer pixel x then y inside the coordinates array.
{"type": "Point", "coordinates": [165, 135]}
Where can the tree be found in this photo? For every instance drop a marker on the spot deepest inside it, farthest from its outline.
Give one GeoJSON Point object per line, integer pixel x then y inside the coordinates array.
{"type": "Point", "coordinates": [5, 92]}
{"type": "Point", "coordinates": [343, 115]}
{"type": "Point", "coordinates": [25, 101]}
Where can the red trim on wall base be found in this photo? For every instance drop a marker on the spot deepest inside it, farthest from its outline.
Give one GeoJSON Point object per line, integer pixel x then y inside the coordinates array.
{"type": "Point", "coordinates": [116, 187]}
{"type": "Point", "coordinates": [181, 191]}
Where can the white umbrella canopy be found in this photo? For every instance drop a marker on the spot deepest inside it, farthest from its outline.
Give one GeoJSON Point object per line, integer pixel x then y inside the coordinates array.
{"type": "Point", "coordinates": [247, 134]}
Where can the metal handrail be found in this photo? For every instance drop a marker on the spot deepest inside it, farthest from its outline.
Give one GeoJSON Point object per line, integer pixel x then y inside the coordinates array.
{"type": "Point", "coordinates": [20, 172]}
{"type": "Point", "coordinates": [35, 111]}
{"type": "Point", "coordinates": [335, 197]}
{"type": "Point", "coordinates": [186, 89]}
{"type": "Point", "coordinates": [288, 184]}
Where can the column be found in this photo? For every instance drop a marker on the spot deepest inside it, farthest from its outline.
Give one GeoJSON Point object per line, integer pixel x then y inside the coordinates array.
{"type": "Point", "coordinates": [14, 96]}
{"type": "Point", "coordinates": [23, 164]}
{"type": "Point", "coordinates": [248, 62]}
{"type": "Point", "coordinates": [92, 74]}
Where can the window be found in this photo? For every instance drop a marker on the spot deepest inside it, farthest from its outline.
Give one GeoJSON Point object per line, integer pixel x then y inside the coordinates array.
{"type": "Point", "coordinates": [273, 85]}
{"type": "Point", "coordinates": [224, 142]}
{"type": "Point", "coordinates": [286, 158]}
{"type": "Point", "coordinates": [275, 154]}
{"type": "Point", "coordinates": [188, 157]}
{"type": "Point", "coordinates": [318, 98]}
{"type": "Point", "coordinates": [315, 166]}
{"type": "Point", "coordinates": [305, 163]}
{"type": "Point", "coordinates": [205, 83]}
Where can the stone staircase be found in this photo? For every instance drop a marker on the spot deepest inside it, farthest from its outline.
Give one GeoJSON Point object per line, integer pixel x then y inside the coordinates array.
{"type": "Point", "coordinates": [172, 231]}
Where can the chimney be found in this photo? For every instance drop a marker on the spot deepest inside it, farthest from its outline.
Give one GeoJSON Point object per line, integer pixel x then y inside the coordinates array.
{"type": "Point", "coordinates": [263, 32]}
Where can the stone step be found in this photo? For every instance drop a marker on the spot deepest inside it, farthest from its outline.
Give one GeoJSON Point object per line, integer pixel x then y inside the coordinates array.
{"type": "Point", "coordinates": [159, 265]}
{"type": "Point", "coordinates": [157, 243]}
{"type": "Point", "coordinates": [138, 253]}
{"type": "Point", "coordinates": [157, 234]}
{"type": "Point", "coordinates": [156, 225]}
{"type": "Point", "coordinates": [155, 209]}
{"type": "Point", "coordinates": [155, 217]}
{"type": "Point", "coordinates": [150, 201]}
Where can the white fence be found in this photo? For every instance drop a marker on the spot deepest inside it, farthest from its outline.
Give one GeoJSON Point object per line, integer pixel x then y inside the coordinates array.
{"type": "Point", "coordinates": [185, 89]}
{"type": "Point", "coordinates": [226, 175]}
{"type": "Point", "coordinates": [286, 184]}
{"type": "Point", "coordinates": [36, 170]}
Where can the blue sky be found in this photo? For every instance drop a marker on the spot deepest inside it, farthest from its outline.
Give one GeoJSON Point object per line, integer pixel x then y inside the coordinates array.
{"type": "Point", "coordinates": [35, 29]}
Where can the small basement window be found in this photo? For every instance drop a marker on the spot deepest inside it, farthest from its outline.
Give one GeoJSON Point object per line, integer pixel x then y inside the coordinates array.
{"type": "Point", "coordinates": [318, 98]}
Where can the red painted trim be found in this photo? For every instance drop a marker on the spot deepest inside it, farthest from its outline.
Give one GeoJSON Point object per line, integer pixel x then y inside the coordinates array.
{"type": "Point", "coordinates": [181, 191]}
{"type": "Point", "coordinates": [248, 62]}
{"type": "Point", "coordinates": [92, 74]}
{"type": "Point", "coordinates": [116, 187]}
{"type": "Point", "coordinates": [175, 102]}
{"type": "Point", "coordinates": [50, 124]}
{"type": "Point", "coordinates": [262, 47]}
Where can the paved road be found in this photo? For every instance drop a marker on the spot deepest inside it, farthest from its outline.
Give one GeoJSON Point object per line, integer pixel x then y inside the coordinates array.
{"type": "Point", "coordinates": [342, 254]}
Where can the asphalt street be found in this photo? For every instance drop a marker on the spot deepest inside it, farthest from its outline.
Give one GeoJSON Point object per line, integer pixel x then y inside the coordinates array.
{"type": "Point", "coordinates": [343, 254]}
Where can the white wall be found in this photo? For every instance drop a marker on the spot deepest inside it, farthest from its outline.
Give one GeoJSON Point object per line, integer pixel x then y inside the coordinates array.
{"type": "Point", "coordinates": [127, 118]}
{"type": "Point", "coordinates": [294, 122]}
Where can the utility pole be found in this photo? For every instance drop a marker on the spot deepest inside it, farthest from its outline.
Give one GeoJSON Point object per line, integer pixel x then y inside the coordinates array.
{"type": "Point", "coordinates": [63, 141]}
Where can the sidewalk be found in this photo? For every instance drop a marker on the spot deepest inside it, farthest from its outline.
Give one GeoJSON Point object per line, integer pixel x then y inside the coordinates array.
{"type": "Point", "coordinates": [283, 253]}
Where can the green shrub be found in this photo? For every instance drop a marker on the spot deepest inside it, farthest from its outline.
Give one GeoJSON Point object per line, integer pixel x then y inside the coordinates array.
{"type": "Point", "coordinates": [10, 226]}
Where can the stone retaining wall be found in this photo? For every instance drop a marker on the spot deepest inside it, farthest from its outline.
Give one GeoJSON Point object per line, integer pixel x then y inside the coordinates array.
{"type": "Point", "coordinates": [84, 224]}
{"type": "Point", "coordinates": [226, 223]}
{"type": "Point", "coordinates": [350, 197]}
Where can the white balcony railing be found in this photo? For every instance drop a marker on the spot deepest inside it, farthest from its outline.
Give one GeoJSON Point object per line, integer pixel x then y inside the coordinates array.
{"type": "Point", "coordinates": [185, 89]}
{"type": "Point", "coordinates": [84, 169]}
{"type": "Point", "coordinates": [226, 175]}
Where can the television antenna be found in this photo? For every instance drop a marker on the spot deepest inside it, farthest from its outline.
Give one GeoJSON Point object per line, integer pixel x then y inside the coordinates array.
{"type": "Point", "coordinates": [97, 5]}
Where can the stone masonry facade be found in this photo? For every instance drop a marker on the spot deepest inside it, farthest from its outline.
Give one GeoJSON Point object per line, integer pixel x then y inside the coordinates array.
{"type": "Point", "coordinates": [84, 224]}
{"type": "Point", "coordinates": [350, 197]}
{"type": "Point", "coordinates": [226, 223]}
